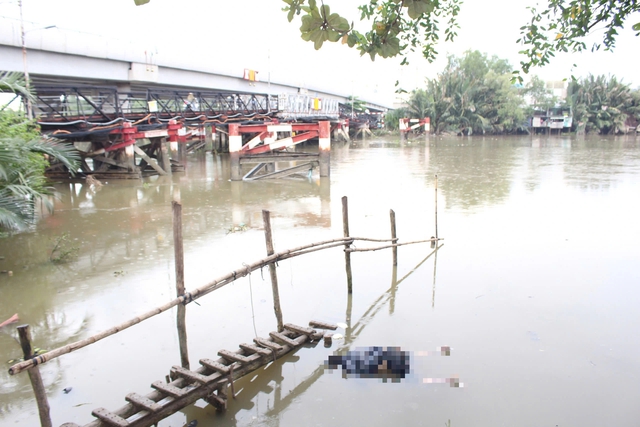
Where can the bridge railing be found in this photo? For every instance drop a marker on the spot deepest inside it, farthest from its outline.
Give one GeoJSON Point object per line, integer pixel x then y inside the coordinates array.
{"type": "Point", "coordinates": [100, 105]}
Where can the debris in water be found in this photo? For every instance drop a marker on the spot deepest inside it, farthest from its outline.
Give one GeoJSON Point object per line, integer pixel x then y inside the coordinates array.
{"type": "Point", "coordinates": [237, 228]}
{"type": "Point", "coordinates": [193, 423]}
{"type": "Point", "coordinates": [67, 390]}
{"type": "Point", "coordinates": [337, 336]}
{"type": "Point", "coordinates": [372, 362]}
{"type": "Point", "coordinates": [342, 325]}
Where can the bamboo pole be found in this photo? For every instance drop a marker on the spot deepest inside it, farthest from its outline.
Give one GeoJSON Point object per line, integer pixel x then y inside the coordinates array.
{"type": "Point", "coordinates": [34, 377]}
{"type": "Point", "coordinates": [436, 206]}
{"type": "Point", "coordinates": [192, 295]}
{"type": "Point", "coordinates": [347, 254]}
{"type": "Point", "coordinates": [266, 218]}
{"type": "Point", "coordinates": [433, 292]}
{"type": "Point", "coordinates": [377, 248]}
{"type": "Point", "coordinates": [392, 217]}
{"type": "Point", "coordinates": [179, 261]}
{"type": "Point", "coordinates": [183, 299]}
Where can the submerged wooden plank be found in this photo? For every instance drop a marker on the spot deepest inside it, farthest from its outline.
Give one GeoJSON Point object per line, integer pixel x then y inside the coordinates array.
{"type": "Point", "coordinates": [109, 418]}
{"type": "Point", "coordinates": [169, 389]}
{"type": "Point", "coordinates": [143, 402]}
{"type": "Point", "coordinates": [217, 402]}
{"type": "Point", "coordinates": [268, 344]}
{"type": "Point", "coordinates": [286, 172]}
{"type": "Point", "coordinates": [323, 325]}
{"type": "Point", "coordinates": [216, 366]}
{"type": "Point", "coordinates": [283, 338]}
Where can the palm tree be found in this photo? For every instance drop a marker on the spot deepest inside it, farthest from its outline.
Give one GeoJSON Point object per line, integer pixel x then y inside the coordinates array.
{"type": "Point", "coordinates": [23, 159]}
{"type": "Point", "coordinates": [602, 103]}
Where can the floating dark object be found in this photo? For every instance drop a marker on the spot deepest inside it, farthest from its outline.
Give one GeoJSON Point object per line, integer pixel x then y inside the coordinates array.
{"type": "Point", "coordinates": [193, 423]}
{"type": "Point", "coordinates": [373, 362]}
{"type": "Point", "coordinates": [67, 390]}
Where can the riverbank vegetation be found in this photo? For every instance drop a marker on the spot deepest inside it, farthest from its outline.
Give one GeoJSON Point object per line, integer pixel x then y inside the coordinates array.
{"type": "Point", "coordinates": [475, 94]}
{"type": "Point", "coordinates": [24, 156]}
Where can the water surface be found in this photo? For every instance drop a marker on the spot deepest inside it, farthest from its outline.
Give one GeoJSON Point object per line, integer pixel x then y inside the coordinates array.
{"type": "Point", "coordinates": [535, 288]}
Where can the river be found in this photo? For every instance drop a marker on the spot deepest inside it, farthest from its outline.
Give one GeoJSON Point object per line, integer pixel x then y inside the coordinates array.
{"type": "Point", "coordinates": [535, 287]}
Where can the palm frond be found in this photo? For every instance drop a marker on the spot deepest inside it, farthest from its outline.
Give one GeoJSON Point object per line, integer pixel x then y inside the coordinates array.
{"type": "Point", "coordinates": [12, 81]}
{"type": "Point", "coordinates": [66, 154]}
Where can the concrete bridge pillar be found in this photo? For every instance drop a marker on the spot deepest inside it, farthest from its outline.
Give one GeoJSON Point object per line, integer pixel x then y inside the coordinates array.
{"type": "Point", "coordinates": [235, 145]}
{"type": "Point", "coordinates": [324, 145]}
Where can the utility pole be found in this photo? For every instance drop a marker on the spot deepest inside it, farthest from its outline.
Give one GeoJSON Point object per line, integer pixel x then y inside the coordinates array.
{"type": "Point", "coordinates": [29, 107]}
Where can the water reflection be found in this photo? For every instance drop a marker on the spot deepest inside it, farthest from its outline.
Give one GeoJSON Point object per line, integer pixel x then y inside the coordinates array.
{"type": "Point", "coordinates": [273, 373]}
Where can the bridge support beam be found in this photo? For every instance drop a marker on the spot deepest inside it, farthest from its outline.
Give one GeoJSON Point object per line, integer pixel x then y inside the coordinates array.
{"type": "Point", "coordinates": [324, 145]}
{"type": "Point", "coordinates": [208, 138]}
{"type": "Point", "coordinates": [235, 146]}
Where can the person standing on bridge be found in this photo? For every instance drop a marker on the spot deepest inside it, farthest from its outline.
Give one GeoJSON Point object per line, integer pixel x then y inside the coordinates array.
{"type": "Point", "coordinates": [192, 103]}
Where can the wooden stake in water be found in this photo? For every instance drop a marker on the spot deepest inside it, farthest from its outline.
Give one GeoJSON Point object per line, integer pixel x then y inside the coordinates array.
{"type": "Point", "coordinates": [179, 260]}
{"type": "Point", "coordinates": [394, 239]}
{"type": "Point", "coordinates": [347, 255]}
{"type": "Point", "coordinates": [436, 204]}
{"type": "Point", "coordinates": [34, 377]}
{"type": "Point", "coordinates": [266, 218]}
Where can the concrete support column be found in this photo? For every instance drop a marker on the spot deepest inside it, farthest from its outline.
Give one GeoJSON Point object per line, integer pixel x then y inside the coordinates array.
{"type": "Point", "coordinates": [208, 138]}
{"type": "Point", "coordinates": [163, 156]}
{"type": "Point", "coordinates": [172, 128]}
{"type": "Point", "coordinates": [235, 145]}
{"type": "Point", "coordinates": [182, 152]}
{"type": "Point", "coordinates": [324, 145]}
{"type": "Point", "coordinates": [128, 156]}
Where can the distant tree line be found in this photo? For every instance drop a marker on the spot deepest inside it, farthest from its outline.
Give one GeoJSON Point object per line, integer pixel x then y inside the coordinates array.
{"type": "Point", "coordinates": [475, 94]}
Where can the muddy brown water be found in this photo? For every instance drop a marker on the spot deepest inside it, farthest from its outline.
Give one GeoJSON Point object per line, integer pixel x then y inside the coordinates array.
{"type": "Point", "coordinates": [535, 289]}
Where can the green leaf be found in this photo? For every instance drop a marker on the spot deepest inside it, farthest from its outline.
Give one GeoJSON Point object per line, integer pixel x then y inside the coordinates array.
{"type": "Point", "coordinates": [141, 2]}
{"type": "Point", "coordinates": [415, 8]}
{"type": "Point", "coordinates": [338, 23]}
{"type": "Point", "coordinates": [636, 27]}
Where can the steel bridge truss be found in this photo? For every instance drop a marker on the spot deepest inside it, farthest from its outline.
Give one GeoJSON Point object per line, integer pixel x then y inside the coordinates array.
{"type": "Point", "coordinates": [100, 105]}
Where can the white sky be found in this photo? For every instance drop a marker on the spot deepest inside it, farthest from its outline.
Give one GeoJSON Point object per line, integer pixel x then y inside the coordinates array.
{"type": "Point", "coordinates": [255, 34]}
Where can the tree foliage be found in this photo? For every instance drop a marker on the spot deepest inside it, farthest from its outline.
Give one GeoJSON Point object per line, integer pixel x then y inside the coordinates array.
{"type": "Point", "coordinates": [540, 97]}
{"type": "Point", "coordinates": [22, 180]}
{"type": "Point", "coordinates": [23, 162]}
{"type": "Point", "coordinates": [397, 27]}
{"type": "Point", "coordinates": [603, 104]}
{"type": "Point", "coordinates": [563, 25]}
{"type": "Point", "coordinates": [473, 94]}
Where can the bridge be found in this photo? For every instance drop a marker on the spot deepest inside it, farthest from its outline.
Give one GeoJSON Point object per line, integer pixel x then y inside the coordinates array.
{"type": "Point", "coordinates": [130, 114]}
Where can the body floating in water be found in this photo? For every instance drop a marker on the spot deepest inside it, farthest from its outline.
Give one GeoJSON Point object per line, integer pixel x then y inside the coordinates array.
{"type": "Point", "coordinates": [385, 363]}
